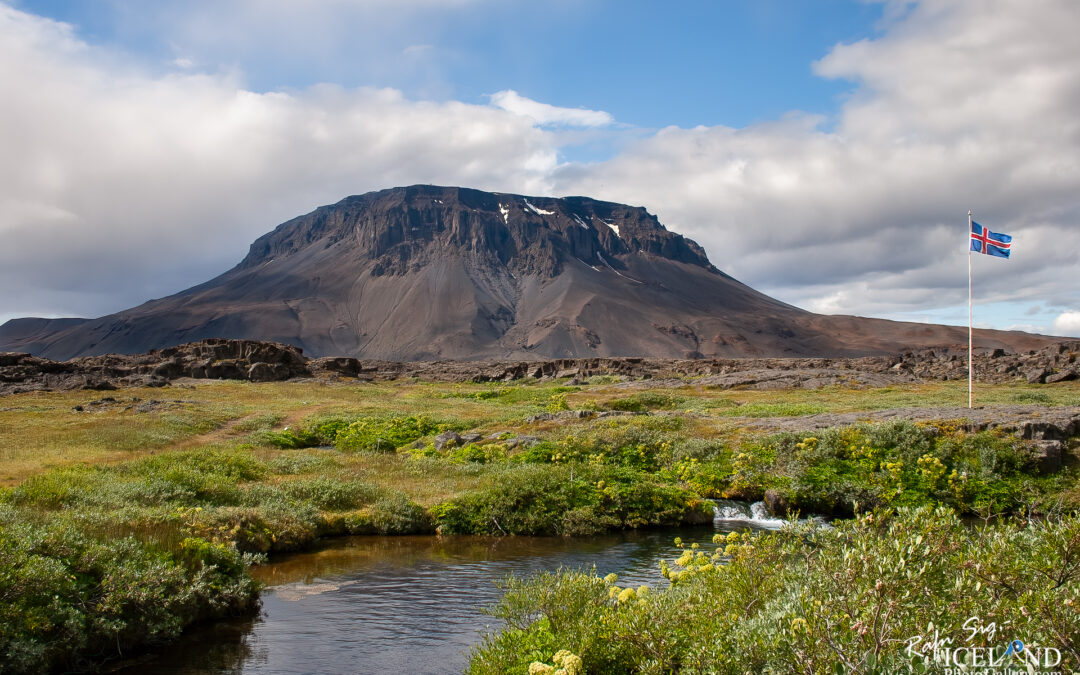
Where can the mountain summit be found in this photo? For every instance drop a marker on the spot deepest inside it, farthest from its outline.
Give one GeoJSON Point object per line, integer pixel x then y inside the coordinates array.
{"type": "Point", "coordinates": [426, 272]}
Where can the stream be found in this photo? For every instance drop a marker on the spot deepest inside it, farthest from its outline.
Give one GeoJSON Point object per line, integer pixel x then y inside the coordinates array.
{"type": "Point", "coordinates": [407, 603]}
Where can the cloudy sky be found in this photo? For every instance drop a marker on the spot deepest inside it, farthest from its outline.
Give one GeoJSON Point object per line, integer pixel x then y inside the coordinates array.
{"type": "Point", "coordinates": [825, 153]}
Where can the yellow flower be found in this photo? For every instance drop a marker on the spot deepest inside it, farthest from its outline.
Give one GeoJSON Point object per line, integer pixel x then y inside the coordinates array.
{"type": "Point", "coordinates": [627, 595]}
{"type": "Point", "coordinates": [798, 624]}
{"type": "Point", "coordinates": [572, 664]}
{"type": "Point", "coordinates": [538, 668]}
{"type": "Point", "coordinates": [611, 578]}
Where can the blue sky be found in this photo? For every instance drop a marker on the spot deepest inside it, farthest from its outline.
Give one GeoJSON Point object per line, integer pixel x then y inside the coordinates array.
{"type": "Point", "coordinates": [823, 152]}
{"type": "Point", "coordinates": [730, 62]}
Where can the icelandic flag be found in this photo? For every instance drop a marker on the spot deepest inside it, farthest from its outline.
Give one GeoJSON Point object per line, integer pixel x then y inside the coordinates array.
{"type": "Point", "coordinates": [990, 243]}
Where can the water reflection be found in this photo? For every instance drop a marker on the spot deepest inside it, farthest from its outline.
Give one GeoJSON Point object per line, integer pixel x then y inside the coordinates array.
{"type": "Point", "coordinates": [394, 604]}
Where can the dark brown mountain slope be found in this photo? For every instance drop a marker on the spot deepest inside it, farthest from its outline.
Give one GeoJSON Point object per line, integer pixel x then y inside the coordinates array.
{"type": "Point", "coordinates": [428, 272]}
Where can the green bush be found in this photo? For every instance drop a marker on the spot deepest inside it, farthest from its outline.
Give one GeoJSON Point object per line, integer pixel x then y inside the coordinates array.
{"type": "Point", "coordinates": [866, 466]}
{"type": "Point", "coordinates": [397, 514]}
{"type": "Point", "coordinates": [58, 487]}
{"type": "Point", "coordinates": [271, 526]}
{"type": "Point", "coordinates": [385, 434]}
{"type": "Point", "coordinates": [526, 394]}
{"type": "Point", "coordinates": [66, 596]}
{"type": "Point", "coordinates": [301, 463]}
{"type": "Point", "coordinates": [329, 494]}
{"type": "Point", "coordinates": [644, 402]}
{"type": "Point", "coordinates": [313, 432]}
{"type": "Point", "coordinates": [206, 477]}
{"type": "Point", "coordinates": [710, 479]}
{"type": "Point", "coordinates": [851, 598]}
{"type": "Point", "coordinates": [289, 439]}
{"type": "Point", "coordinates": [533, 499]}
{"type": "Point", "coordinates": [646, 444]}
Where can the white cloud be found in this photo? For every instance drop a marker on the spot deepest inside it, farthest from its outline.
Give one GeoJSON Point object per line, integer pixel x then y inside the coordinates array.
{"type": "Point", "coordinates": [417, 51]}
{"type": "Point", "coordinates": [1027, 328]}
{"type": "Point", "coordinates": [959, 104]}
{"type": "Point", "coordinates": [133, 186]}
{"type": "Point", "coordinates": [549, 115]}
{"type": "Point", "coordinates": [136, 184]}
{"type": "Point", "coordinates": [1067, 323]}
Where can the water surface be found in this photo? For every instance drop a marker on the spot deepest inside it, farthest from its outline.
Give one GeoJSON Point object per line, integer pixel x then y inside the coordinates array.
{"type": "Point", "coordinates": [405, 604]}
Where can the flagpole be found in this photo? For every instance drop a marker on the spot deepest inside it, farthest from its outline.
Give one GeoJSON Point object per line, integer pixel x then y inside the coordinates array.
{"type": "Point", "coordinates": [971, 366]}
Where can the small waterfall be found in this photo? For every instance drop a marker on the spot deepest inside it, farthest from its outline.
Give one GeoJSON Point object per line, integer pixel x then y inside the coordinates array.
{"type": "Point", "coordinates": [726, 509]}
{"type": "Point", "coordinates": [754, 515]}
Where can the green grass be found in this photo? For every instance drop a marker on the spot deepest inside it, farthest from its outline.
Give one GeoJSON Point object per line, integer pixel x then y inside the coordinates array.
{"type": "Point", "coordinates": [774, 410]}
{"type": "Point", "coordinates": [838, 400]}
{"type": "Point", "coordinates": [219, 469]}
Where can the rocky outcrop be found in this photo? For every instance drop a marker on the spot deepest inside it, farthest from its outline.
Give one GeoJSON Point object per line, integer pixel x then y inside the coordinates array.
{"type": "Point", "coordinates": [267, 361]}
{"type": "Point", "coordinates": [208, 359]}
{"type": "Point", "coordinates": [1060, 360]}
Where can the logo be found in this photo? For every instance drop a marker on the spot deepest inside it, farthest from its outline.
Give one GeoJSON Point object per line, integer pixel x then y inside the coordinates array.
{"type": "Point", "coordinates": [982, 652]}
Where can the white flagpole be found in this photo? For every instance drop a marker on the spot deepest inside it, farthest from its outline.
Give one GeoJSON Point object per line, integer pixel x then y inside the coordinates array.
{"type": "Point", "coordinates": [971, 366]}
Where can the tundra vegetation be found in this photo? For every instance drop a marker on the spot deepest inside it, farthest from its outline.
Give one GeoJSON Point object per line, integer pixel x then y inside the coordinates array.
{"type": "Point", "coordinates": [126, 518]}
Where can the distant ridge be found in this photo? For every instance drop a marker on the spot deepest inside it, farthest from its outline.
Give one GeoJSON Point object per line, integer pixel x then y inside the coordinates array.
{"type": "Point", "coordinates": [426, 273]}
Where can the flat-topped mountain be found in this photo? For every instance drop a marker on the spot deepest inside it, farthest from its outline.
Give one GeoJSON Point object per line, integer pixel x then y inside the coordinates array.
{"type": "Point", "coordinates": [425, 273]}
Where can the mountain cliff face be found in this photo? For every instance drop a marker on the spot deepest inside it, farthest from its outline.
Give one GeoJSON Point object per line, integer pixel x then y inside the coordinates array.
{"type": "Point", "coordinates": [425, 272]}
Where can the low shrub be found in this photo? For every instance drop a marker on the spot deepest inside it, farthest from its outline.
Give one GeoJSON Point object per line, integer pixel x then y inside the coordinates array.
{"type": "Point", "coordinates": [57, 487]}
{"type": "Point", "coordinates": [644, 402]}
{"type": "Point", "coordinates": [526, 394]}
{"type": "Point", "coordinates": [331, 494]}
{"type": "Point", "coordinates": [395, 513]}
{"type": "Point", "coordinates": [301, 463]}
{"type": "Point", "coordinates": [272, 526]}
{"type": "Point", "coordinates": [206, 477]}
{"type": "Point", "coordinates": [875, 594]}
{"type": "Point", "coordinates": [289, 439]}
{"type": "Point", "coordinates": [316, 431]}
{"type": "Point", "coordinates": [866, 466]}
{"type": "Point", "coordinates": [66, 596]}
{"type": "Point", "coordinates": [385, 434]}
{"type": "Point", "coordinates": [646, 444]}
{"type": "Point", "coordinates": [532, 499]}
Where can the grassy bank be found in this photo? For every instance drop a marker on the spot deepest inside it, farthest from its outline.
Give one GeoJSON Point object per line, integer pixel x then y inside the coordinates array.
{"type": "Point", "coordinates": [126, 518]}
{"type": "Point", "coordinates": [70, 597]}
{"type": "Point", "coordinates": [914, 591]}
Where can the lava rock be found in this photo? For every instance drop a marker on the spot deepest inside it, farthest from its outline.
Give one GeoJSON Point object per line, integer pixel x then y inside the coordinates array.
{"type": "Point", "coordinates": [1061, 376]}
{"type": "Point", "coordinates": [447, 438]}
{"type": "Point", "coordinates": [775, 502]}
{"type": "Point", "coordinates": [1036, 375]}
{"type": "Point", "coordinates": [1047, 455]}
